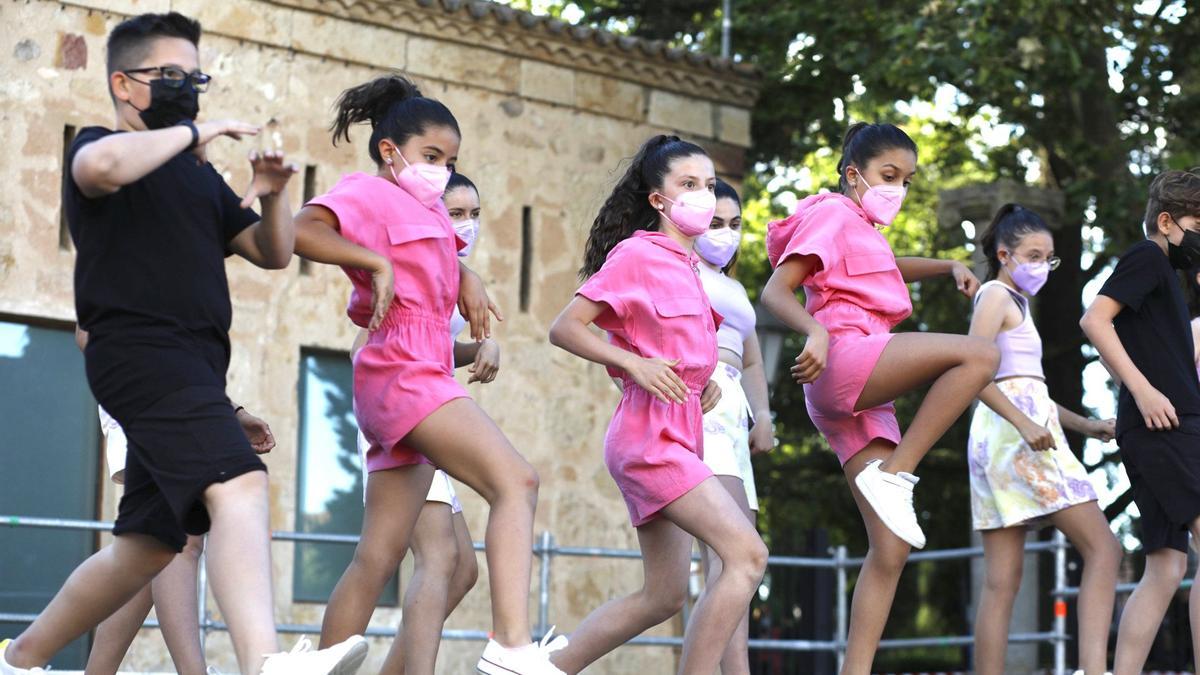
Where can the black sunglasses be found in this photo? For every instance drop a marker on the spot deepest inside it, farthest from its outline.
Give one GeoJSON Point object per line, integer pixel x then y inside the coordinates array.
{"type": "Point", "coordinates": [175, 77]}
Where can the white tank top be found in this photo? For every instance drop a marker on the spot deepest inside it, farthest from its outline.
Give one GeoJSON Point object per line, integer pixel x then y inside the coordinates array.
{"type": "Point", "coordinates": [729, 298]}
{"type": "Point", "coordinates": [457, 324]}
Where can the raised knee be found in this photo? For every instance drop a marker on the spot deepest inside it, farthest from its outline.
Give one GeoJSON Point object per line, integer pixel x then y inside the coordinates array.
{"type": "Point", "coordinates": [987, 355]}
{"type": "Point", "coordinates": [467, 570]}
{"type": "Point", "coordinates": [755, 560]}
{"type": "Point", "coordinates": [889, 557]}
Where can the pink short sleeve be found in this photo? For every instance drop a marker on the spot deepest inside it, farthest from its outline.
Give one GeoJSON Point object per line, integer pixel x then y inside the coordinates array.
{"type": "Point", "coordinates": [813, 233]}
{"type": "Point", "coordinates": [610, 286]}
{"type": "Point", "coordinates": [349, 207]}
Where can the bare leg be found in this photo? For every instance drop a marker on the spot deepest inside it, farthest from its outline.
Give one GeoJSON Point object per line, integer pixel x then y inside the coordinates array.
{"type": "Point", "coordinates": [466, 572]}
{"type": "Point", "coordinates": [435, 556]}
{"type": "Point", "coordinates": [116, 633]}
{"type": "Point", "coordinates": [959, 366]}
{"type": "Point", "coordinates": [1144, 611]}
{"type": "Point", "coordinates": [394, 501]}
{"type": "Point", "coordinates": [709, 514]}
{"type": "Point", "coordinates": [876, 585]}
{"type": "Point", "coordinates": [666, 552]}
{"type": "Point", "coordinates": [465, 443]}
{"type": "Point", "coordinates": [736, 659]}
{"type": "Point", "coordinates": [101, 585]}
{"type": "Point", "coordinates": [1087, 528]}
{"type": "Point", "coordinates": [175, 605]}
{"type": "Point", "coordinates": [1004, 556]}
{"type": "Point", "coordinates": [239, 564]}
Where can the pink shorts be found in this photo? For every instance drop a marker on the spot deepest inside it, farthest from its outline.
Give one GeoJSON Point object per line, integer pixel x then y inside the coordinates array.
{"type": "Point", "coordinates": [857, 338]}
{"type": "Point", "coordinates": [654, 451]}
{"type": "Point", "coordinates": [403, 373]}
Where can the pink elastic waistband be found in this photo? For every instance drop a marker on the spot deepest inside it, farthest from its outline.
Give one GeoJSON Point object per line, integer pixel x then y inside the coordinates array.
{"type": "Point", "coordinates": [845, 316]}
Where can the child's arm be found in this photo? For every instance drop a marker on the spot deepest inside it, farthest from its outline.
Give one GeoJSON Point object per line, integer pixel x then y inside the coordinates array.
{"type": "Point", "coordinates": [474, 303]}
{"type": "Point", "coordinates": [779, 296]}
{"type": "Point", "coordinates": [986, 322]}
{"type": "Point", "coordinates": [754, 383]}
{"type": "Point", "coordinates": [317, 239]}
{"type": "Point", "coordinates": [110, 163]}
{"type": "Point", "coordinates": [1073, 421]}
{"type": "Point", "coordinates": [1157, 411]}
{"type": "Point", "coordinates": [917, 269]}
{"type": "Point", "coordinates": [481, 358]}
{"type": "Point", "coordinates": [570, 332]}
{"type": "Point", "coordinates": [269, 243]}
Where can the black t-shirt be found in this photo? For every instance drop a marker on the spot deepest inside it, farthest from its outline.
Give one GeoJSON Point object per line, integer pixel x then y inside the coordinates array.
{"type": "Point", "coordinates": [1155, 331]}
{"type": "Point", "coordinates": [150, 285]}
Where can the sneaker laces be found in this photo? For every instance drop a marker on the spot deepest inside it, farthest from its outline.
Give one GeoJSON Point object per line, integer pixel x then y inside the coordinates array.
{"type": "Point", "coordinates": [275, 662]}
{"type": "Point", "coordinates": [551, 643]}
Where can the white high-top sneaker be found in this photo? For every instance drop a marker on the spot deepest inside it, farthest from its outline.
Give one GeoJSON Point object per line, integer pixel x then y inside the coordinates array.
{"type": "Point", "coordinates": [341, 659]}
{"type": "Point", "coordinates": [891, 495]}
{"type": "Point", "coordinates": [531, 659]}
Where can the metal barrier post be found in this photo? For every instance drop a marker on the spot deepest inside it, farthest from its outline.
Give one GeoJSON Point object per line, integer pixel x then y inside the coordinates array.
{"type": "Point", "coordinates": [1060, 603]}
{"type": "Point", "coordinates": [843, 608]}
{"type": "Point", "coordinates": [202, 594]}
{"type": "Point", "coordinates": [545, 553]}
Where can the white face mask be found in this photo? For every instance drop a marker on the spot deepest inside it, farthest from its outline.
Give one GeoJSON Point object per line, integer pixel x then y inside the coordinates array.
{"type": "Point", "coordinates": [718, 246]}
{"type": "Point", "coordinates": [467, 230]}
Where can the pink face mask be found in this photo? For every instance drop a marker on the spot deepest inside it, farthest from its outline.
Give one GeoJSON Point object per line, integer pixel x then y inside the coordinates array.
{"type": "Point", "coordinates": [425, 182]}
{"type": "Point", "coordinates": [1030, 277]}
{"type": "Point", "coordinates": [692, 212]}
{"type": "Point", "coordinates": [882, 202]}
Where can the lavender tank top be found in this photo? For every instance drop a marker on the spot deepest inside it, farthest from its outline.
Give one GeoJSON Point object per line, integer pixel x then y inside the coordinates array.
{"type": "Point", "coordinates": [728, 297]}
{"type": "Point", "coordinates": [1020, 347]}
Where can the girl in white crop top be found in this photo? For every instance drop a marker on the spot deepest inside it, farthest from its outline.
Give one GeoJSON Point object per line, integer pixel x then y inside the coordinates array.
{"type": "Point", "coordinates": [1022, 472]}
{"type": "Point", "coordinates": [740, 425]}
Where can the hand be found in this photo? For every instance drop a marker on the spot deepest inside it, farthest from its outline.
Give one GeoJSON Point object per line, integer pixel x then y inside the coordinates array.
{"type": "Point", "coordinates": [234, 129]}
{"type": "Point", "coordinates": [383, 289]}
{"type": "Point", "coordinates": [812, 359]}
{"type": "Point", "coordinates": [258, 431]}
{"type": "Point", "coordinates": [762, 436]}
{"type": "Point", "coordinates": [1037, 436]}
{"type": "Point", "coordinates": [964, 279]}
{"type": "Point", "coordinates": [270, 176]}
{"type": "Point", "coordinates": [710, 397]}
{"type": "Point", "coordinates": [487, 362]}
{"type": "Point", "coordinates": [1157, 411]}
{"type": "Point", "coordinates": [475, 305]}
{"type": "Point", "coordinates": [657, 377]}
{"type": "Point", "coordinates": [1104, 430]}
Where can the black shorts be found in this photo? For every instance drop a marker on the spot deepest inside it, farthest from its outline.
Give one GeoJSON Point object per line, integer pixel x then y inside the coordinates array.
{"type": "Point", "coordinates": [179, 446]}
{"type": "Point", "coordinates": [1164, 472]}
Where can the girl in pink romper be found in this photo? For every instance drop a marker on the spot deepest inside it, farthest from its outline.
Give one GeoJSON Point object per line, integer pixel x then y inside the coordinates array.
{"type": "Point", "coordinates": [643, 288]}
{"type": "Point", "coordinates": [853, 367]}
{"type": "Point", "coordinates": [390, 233]}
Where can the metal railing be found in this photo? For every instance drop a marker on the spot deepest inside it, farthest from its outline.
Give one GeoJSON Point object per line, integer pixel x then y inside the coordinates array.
{"type": "Point", "coordinates": [546, 550]}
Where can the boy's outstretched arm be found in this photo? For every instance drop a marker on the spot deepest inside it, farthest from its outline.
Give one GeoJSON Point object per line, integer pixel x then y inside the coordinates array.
{"type": "Point", "coordinates": [1097, 323]}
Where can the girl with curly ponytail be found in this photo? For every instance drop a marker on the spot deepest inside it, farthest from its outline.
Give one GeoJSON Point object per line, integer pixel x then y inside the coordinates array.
{"type": "Point", "coordinates": [391, 234]}
{"type": "Point", "coordinates": [642, 286]}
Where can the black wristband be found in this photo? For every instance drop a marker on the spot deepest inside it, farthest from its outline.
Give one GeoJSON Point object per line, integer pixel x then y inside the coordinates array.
{"type": "Point", "coordinates": [238, 409]}
{"type": "Point", "coordinates": [195, 134]}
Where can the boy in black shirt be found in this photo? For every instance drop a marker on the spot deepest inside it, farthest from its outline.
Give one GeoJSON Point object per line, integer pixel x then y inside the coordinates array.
{"type": "Point", "coordinates": [152, 223]}
{"type": "Point", "coordinates": [1139, 323]}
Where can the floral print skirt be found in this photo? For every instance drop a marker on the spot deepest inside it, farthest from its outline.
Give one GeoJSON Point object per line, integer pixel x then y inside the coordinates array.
{"type": "Point", "coordinates": [1011, 483]}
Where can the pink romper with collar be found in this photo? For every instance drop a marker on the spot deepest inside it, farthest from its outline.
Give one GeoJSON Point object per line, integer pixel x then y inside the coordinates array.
{"type": "Point", "coordinates": [656, 307]}
{"type": "Point", "coordinates": [859, 296]}
{"type": "Point", "coordinates": [406, 369]}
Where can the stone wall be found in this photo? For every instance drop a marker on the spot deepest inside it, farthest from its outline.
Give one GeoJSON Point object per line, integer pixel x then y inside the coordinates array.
{"type": "Point", "coordinates": [547, 112]}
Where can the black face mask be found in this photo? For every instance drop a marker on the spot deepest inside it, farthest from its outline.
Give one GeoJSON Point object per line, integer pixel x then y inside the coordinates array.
{"type": "Point", "coordinates": [169, 105]}
{"type": "Point", "coordinates": [1186, 254]}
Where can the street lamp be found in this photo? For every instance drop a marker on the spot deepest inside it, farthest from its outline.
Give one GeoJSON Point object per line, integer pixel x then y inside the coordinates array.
{"type": "Point", "coordinates": [771, 334]}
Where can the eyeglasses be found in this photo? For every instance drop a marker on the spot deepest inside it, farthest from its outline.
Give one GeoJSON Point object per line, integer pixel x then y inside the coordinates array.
{"type": "Point", "coordinates": [1053, 261]}
{"type": "Point", "coordinates": [175, 77]}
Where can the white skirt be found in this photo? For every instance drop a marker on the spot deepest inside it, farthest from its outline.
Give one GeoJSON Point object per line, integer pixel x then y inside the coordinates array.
{"type": "Point", "coordinates": [727, 432]}
{"type": "Point", "coordinates": [440, 490]}
{"type": "Point", "coordinates": [115, 446]}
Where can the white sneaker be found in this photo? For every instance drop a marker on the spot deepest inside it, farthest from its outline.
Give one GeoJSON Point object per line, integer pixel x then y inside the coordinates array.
{"type": "Point", "coordinates": [532, 659]}
{"type": "Point", "coordinates": [6, 669]}
{"type": "Point", "coordinates": [341, 659]}
{"type": "Point", "coordinates": [891, 495]}
{"type": "Point", "coordinates": [549, 646]}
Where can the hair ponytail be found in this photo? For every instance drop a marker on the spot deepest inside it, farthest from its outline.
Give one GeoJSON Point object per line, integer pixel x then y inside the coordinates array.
{"type": "Point", "coordinates": [628, 209]}
{"type": "Point", "coordinates": [395, 109]}
{"type": "Point", "coordinates": [1010, 224]}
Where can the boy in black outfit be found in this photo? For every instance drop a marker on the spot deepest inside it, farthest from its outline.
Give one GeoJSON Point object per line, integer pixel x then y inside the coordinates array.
{"type": "Point", "coordinates": [153, 223]}
{"type": "Point", "coordinates": [1139, 323]}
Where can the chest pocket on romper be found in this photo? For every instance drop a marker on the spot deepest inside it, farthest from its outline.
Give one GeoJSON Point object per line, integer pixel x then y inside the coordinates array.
{"type": "Point", "coordinates": [403, 233]}
{"type": "Point", "coordinates": [860, 264]}
{"type": "Point", "coordinates": [683, 330]}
